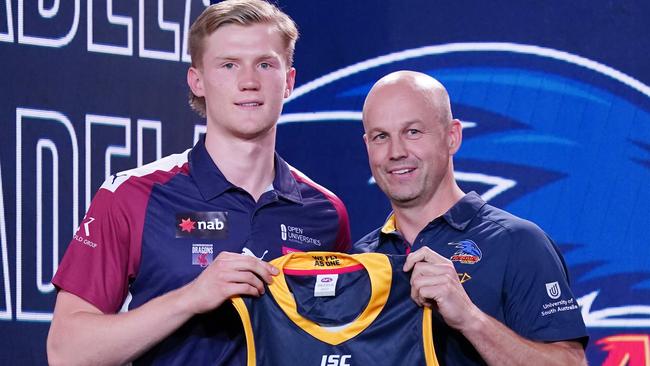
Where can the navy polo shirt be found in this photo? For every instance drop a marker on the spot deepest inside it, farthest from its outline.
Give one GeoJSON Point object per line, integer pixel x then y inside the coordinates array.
{"type": "Point", "coordinates": [508, 266]}
{"type": "Point", "coordinates": [155, 228]}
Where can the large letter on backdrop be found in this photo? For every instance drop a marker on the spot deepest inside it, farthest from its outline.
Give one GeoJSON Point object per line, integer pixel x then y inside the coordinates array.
{"type": "Point", "coordinates": [5, 309]}
{"type": "Point", "coordinates": [44, 140]}
{"type": "Point", "coordinates": [122, 48]}
{"type": "Point", "coordinates": [33, 22]}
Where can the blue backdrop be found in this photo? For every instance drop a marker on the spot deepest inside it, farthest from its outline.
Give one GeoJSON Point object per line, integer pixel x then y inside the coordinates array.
{"type": "Point", "coordinates": [553, 95]}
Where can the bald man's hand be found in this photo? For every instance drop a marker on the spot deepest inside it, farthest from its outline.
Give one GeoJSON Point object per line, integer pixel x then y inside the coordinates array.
{"type": "Point", "coordinates": [435, 283]}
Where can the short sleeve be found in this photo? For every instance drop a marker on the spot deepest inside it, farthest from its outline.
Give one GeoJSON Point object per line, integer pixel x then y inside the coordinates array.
{"type": "Point", "coordinates": [99, 259]}
{"type": "Point", "coordinates": [539, 303]}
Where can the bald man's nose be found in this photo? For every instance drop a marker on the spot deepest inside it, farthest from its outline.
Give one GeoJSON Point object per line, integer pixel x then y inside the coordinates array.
{"type": "Point", "coordinates": [398, 149]}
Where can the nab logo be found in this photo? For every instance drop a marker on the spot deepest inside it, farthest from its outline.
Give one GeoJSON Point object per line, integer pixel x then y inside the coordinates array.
{"type": "Point", "coordinates": [205, 225]}
{"type": "Point", "coordinates": [335, 360]}
{"type": "Point", "coordinates": [210, 225]}
{"type": "Point", "coordinates": [187, 225]}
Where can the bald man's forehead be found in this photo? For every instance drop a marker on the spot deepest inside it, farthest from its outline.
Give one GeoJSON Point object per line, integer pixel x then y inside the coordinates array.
{"type": "Point", "coordinates": [416, 80]}
{"type": "Point", "coordinates": [394, 92]}
{"type": "Point", "coordinates": [402, 100]}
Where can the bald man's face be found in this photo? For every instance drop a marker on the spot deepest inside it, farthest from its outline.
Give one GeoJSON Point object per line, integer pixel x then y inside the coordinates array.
{"type": "Point", "coordinates": [409, 145]}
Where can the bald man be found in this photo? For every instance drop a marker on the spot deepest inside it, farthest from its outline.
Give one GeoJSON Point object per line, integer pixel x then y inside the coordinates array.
{"type": "Point", "coordinates": [498, 282]}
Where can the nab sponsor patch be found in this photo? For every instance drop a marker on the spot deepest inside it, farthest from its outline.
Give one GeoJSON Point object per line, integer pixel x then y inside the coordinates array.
{"type": "Point", "coordinates": [202, 225]}
{"type": "Point", "coordinates": [468, 252]}
{"type": "Point", "coordinates": [202, 254]}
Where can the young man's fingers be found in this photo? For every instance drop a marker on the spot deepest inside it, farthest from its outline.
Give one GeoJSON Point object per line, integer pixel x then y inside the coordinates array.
{"type": "Point", "coordinates": [240, 262]}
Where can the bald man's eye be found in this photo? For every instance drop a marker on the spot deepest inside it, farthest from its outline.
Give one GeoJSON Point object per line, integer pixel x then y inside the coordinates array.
{"type": "Point", "coordinates": [379, 137]}
{"type": "Point", "coordinates": [413, 133]}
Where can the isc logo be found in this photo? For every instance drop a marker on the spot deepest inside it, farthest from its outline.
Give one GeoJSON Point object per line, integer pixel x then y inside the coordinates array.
{"type": "Point", "coordinates": [335, 360]}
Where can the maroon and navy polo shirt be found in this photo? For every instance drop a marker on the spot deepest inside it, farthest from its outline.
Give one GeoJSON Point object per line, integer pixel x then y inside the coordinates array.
{"type": "Point", "coordinates": [155, 228]}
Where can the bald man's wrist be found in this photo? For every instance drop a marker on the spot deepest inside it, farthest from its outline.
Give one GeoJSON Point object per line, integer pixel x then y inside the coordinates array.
{"type": "Point", "coordinates": [475, 322]}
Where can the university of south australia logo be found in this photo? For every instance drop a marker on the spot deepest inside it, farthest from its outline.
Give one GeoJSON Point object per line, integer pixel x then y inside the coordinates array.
{"type": "Point", "coordinates": [553, 290]}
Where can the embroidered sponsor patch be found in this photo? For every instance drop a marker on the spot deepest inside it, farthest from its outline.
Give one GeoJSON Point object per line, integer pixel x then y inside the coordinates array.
{"type": "Point", "coordinates": [203, 225]}
{"type": "Point", "coordinates": [202, 254]}
{"type": "Point", "coordinates": [464, 277]}
{"type": "Point", "coordinates": [553, 290]}
{"type": "Point", "coordinates": [298, 235]}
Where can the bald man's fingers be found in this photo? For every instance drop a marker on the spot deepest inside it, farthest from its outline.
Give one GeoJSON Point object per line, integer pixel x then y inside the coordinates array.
{"type": "Point", "coordinates": [423, 254]}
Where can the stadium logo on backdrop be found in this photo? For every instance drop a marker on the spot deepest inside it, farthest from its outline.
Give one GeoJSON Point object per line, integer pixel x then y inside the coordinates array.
{"type": "Point", "coordinates": [538, 123]}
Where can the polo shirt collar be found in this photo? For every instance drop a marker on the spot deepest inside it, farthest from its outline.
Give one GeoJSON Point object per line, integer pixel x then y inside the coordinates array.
{"type": "Point", "coordinates": [212, 183]}
{"type": "Point", "coordinates": [390, 226]}
{"type": "Point", "coordinates": [458, 216]}
{"type": "Point", "coordinates": [462, 213]}
{"type": "Point", "coordinates": [284, 182]}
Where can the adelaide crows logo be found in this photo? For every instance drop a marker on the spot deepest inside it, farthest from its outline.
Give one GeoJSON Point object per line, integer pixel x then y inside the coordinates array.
{"type": "Point", "coordinates": [468, 252]}
{"type": "Point", "coordinates": [550, 136]}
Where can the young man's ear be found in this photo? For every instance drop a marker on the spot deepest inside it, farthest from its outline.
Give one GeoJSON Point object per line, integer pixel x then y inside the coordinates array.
{"type": "Point", "coordinates": [195, 81]}
{"type": "Point", "coordinates": [291, 80]}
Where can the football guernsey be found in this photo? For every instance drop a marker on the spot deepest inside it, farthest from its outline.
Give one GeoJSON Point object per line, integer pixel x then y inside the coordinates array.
{"type": "Point", "coordinates": [155, 228]}
{"type": "Point", "coordinates": [508, 266]}
{"type": "Point", "coordinates": [333, 309]}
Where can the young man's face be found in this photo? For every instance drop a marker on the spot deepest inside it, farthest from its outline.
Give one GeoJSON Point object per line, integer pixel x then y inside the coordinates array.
{"type": "Point", "coordinates": [244, 78]}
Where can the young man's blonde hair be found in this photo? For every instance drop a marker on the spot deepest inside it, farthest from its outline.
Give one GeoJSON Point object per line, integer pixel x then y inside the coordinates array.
{"type": "Point", "coordinates": [240, 12]}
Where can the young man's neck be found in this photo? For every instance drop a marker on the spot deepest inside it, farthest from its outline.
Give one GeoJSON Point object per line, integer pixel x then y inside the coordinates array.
{"type": "Point", "coordinates": [411, 220]}
{"type": "Point", "coordinates": [248, 164]}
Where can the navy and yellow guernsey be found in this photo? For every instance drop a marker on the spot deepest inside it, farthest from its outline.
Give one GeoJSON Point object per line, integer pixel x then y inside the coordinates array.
{"type": "Point", "coordinates": [334, 309]}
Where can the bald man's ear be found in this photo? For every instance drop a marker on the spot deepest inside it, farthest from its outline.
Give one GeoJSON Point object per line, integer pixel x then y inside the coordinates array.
{"type": "Point", "coordinates": [455, 136]}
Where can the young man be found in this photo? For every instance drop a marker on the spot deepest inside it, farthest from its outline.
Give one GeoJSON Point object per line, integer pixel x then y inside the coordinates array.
{"type": "Point", "coordinates": [491, 277]}
{"type": "Point", "coordinates": [172, 234]}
